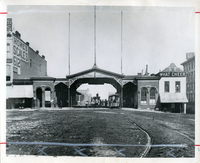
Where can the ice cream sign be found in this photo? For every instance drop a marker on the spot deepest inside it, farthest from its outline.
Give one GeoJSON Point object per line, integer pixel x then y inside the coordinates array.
{"type": "Point", "coordinates": [20, 52]}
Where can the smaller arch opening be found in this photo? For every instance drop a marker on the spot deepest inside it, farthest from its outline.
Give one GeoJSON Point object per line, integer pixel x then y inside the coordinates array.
{"type": "Point", "coordinates": [39, 97]}
{"type": "Point", "coordinates": [152, 95]}
{"type": "Point", "coordinates": [47, 97]}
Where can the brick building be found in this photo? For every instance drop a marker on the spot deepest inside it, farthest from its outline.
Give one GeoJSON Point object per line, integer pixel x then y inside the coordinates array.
{"type": "Point", "coordinates": [147, 89]}
{"type": "Point", "coordinates": [22, 63]}
{"type": "Point", "coordinates": [189, 68]}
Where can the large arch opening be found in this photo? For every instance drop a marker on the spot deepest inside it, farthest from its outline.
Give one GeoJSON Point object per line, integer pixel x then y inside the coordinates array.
{"type": "Point", "coordinates": [99, 87]}
{"type": "Point", "coordinates": [130, 95]}
{"type": "Point", "coordinates": [61, 90]}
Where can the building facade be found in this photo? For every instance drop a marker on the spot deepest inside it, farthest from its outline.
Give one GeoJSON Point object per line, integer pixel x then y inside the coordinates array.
{"type": "Point", "coordinates": [189, 68]}
{"type": "Point", "coordinates": [172, 89]}
{"type": "Point", "coordinates": [147, 89]}
{"type": "Point", "coordinates": [28, 85]}
{"type": "Point", "coordinates": [22, 63]}
{"type": "Point", "coordinates": [84, 98]}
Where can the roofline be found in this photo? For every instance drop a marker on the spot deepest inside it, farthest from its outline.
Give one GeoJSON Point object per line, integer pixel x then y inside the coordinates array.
{"type": "Point", "coordinates": [44, 78]}
{"type": "Point", "coordinates": [148, 77]}
{"type": "Point", "coordinates": [29, 47]}
{"type": "Point", "coordinates": [188, 60]}
{"type": "Point", "coordinates": [94, 68]}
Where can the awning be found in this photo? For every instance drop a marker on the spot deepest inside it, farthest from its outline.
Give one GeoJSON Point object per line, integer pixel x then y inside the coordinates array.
{"type": "Point", "coordinates": [173, 98]}
{"type": "Point", "coordinates": [19, 91]}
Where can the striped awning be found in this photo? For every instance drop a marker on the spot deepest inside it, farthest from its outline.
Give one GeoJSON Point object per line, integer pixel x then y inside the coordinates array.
{"type": "Point", "coordinates": [19, 91]}
{"type": "Point", "coordinates": [173, 98]}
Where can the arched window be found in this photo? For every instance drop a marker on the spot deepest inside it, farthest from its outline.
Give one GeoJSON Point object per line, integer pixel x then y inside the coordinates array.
{"type": "Point", "coordinates": [47, 97]}
{"type": "Point", "coordinates": [152, 95]}
{"type": "Point", "coordinates": [144, 92]}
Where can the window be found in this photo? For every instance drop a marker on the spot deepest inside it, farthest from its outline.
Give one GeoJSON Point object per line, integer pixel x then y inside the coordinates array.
{"type": "Point", "coordinates": [152, 95]}
{"type": "Point", "coordinates": [9, 55]}
{"type": "Point", "coordinates": [144, 92]}
{"type": "Point", "coordinates": [166, 86]}
{"type": "Point", "coordinates": [8, 47]}
{"type": "Point", "coordinates": [30, 62]}
{"type": "Point", "coordinates": [8, 72]}
{"type": "Point", "coordinates": [178, 86]}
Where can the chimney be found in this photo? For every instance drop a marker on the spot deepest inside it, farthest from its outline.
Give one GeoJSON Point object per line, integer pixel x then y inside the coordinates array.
{"type": "Point", "coordinates": [146, 69]}
{"type": "Point", "coordinates": [146, 73]}
{"type": "Point", "coordinates": [18, 35]}
{"type": "Point", "coordinates": [27, 43]}
{"type": "Point", "coordinates": [139, 74]}
{"type": "Point", "coordinates": [37, 51]}
{"type": "Point", "coordinates": [43, 56]}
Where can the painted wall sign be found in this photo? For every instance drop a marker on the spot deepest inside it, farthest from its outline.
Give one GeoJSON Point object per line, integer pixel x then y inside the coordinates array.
{"type": "Point", "coordinates": [172, 74]}
{"type": "Point", "coordinates": [20, 53]}
{"type": "Point", "coordinates": [20, 49]}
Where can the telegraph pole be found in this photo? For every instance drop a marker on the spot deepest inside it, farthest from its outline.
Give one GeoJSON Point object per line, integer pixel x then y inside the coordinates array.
{"type": "Point", "coordinates": [69, 99]}
{"type": "Point", "coordinates": [121, 59]}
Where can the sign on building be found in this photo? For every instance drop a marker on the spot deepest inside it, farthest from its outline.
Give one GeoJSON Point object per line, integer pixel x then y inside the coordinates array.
{"type": "Point", "coordinates": [9, 24]}
{"type": "Point", "coordinates": [20, 53]}
{"type": "Point", "coordinates": [172, 74]}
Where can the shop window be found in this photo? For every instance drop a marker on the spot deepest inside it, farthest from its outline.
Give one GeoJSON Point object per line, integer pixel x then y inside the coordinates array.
{"type": "Point", "coordinates": [178, 86]}
{"type": "Point", "coordinates": [144, 92]}
{"type": "Point", "coordinates": [166, 86]}
{"type": "Point", "coordinates": [152, 95]}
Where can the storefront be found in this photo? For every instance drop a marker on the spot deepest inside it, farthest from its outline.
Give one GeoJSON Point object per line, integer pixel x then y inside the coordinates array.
{"type": "Point", "coordinates": [172, 89]}
{"type": "Point", "coordinates": [19, 96]}
{"type": "Point", "coordinates": [147, 88]}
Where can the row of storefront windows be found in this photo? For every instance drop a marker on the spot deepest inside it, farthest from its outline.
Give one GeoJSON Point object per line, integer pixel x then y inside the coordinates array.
{"type": "Point", "coordinates": [177, 86]}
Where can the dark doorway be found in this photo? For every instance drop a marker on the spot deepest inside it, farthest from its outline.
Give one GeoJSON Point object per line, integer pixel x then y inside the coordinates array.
{"type": "Point", "coordinates": [129, 95]}
{"type": "Point", "coordinates": [62, 95]}
{"type": "Point", "coordinates": [39, 97]}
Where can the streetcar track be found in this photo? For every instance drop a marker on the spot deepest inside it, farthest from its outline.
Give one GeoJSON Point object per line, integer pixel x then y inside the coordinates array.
{"type": "Point", "coordinates": [185, 135]}
{"type": "Point", "coordinates": [148, 145]}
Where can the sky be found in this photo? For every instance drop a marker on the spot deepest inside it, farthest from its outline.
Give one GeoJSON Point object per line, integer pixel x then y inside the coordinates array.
{"type": "Point", "coordinates": [157, 36]}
